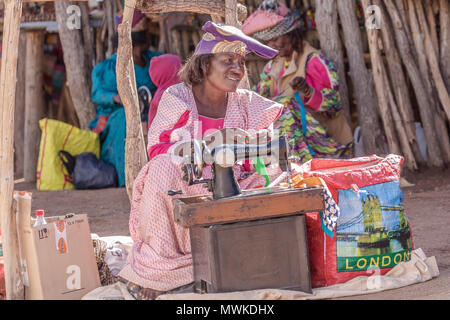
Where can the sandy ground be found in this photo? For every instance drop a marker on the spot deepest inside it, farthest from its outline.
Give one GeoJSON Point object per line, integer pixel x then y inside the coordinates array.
{"type": "Point", "coordinates": [426, 206]}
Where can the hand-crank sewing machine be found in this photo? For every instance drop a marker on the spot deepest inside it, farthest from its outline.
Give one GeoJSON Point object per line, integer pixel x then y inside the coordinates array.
{"type": "Point", "coordinates": [245, 239]}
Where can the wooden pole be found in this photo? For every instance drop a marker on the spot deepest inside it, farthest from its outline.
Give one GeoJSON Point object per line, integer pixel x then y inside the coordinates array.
{"type": "Point", "coordinates": [433, 60]}
{"type": "Point", "coordinates": [399, 83]}
{"type": "Point", "coordinates": [135, 153]}
{"type": "Point", "coordinates": [78, 75]}
{"type": "Point", "coordinates": [422, 54]}
{"type": "Point", "coordinates": [212, 7]}
{"type": "Point", "coordinates": [434, 152]}
{"type": "Point", "coordinates": [88, 36]}
{"type": "Point", "coordinates": [381, 88]}
{"type": "Point", "coordinates": [361, 79]}
{"type": "Point", "coordinates": [19, 111]}
{"type": "Point", "coordinates": [109, 16]}
{"type": "Point", "coordinates": [34, 101]}
{"type": "Point", "coordinates": [444, 20]}
{"type": "Point", "coordinates": [8, 78]}
{"type": "Point", "coordinates": [386, 103]}
{"type": "Point", "coordinates": [331, 46]}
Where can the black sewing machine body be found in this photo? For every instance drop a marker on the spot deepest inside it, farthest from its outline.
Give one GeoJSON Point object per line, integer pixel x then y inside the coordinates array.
{"type": "Point", "coordinates": [223, 183]}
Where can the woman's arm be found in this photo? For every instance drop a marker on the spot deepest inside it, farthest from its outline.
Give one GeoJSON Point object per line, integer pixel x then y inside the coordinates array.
{"type": "Point", "coordinates": [103, 89]}
{"type": "Point", "coordinates": [322, 77]}
{"type": "Point", "coordinates": [168, 128]}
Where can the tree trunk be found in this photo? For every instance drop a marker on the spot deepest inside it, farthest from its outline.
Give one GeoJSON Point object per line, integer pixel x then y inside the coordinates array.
{"type": "Point", "coordinates": [99, 46]}
{"type": "Point", "coordinates": [419, 38]}
{"type": "Point", "coordinates": [445, 40]}
{"type": "Point", "coordinates": [78, 75]}
{"type": "Point", "coordinates": [109, 18]}
{"type": "Point", "coordinates": [361, 79]}
{"type": "Point", "coordinates": [399, 83]}
{"type": "Point", "coordinates": [19, 111]}
{"type": "Point", "coordinates": [34, 102]}
{"type": "Point", "coordinates": [135, 153]}
{"type": "Point", "coordinates": [88, 36]}
{"type": "Point", "coordinates": [211, 7]}
{"type": "Point", "coordinates": [331, 46]}
{"type": "Point", "coordinates": [434, 152]}
{"type": "Point", "coordinates": [431, 19]}
{"type": "Point", "coordinates": [8, 78]}
{"type": "Point", "coordinates": [381, 89]}
{"type": "Point", "coordinates": [433, 61]}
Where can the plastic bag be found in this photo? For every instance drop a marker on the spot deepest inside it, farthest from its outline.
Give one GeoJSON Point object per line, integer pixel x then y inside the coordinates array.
{"type": "Point", "coordinates": [88, 172]}
{"type": "Point", "coordinates": [373, 234]}
{"type": "Point", "coordinates": [57, 135]}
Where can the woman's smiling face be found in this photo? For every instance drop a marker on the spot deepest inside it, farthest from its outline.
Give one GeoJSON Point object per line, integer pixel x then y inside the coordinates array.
{"type": "Point", "coordinates": [226, 71]}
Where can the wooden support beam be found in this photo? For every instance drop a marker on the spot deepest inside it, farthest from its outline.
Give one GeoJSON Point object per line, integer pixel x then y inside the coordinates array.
{"type": "Point", "coordinates": [381, 88]}
{"type": "Point", "coordinates": [78, 75]}
{"type": "Point", "coordinates": [331, 46]}
{"type": "Point", "coordinates": [404, 48]}
{"type": "Point", "coordinates": [361, 79]}
{"type": "Point", "coordinates": [19, 111]}
{"type": "Point", "coordinates": [8, 78]}
{"type": "Point", "coordinates": [135, 152]}
{"type": "Point", "coordinates": [34, 101]}
{"type": "Point", "coordinates": [212, 7]}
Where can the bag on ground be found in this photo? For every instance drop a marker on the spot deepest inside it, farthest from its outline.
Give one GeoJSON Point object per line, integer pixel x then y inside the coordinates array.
{"type": "Point", "coordinates": [372, 234]}
{"type": "Point", "coordinates": [88, 172]}
{"type": "Point", "coordinates": [56, 136]}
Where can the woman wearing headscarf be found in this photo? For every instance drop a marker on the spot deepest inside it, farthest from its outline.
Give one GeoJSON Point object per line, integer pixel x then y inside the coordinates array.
{"type": "Point", "coordinates": [304, 81]}
{"type": "Point", "coordinates": [110, 121]}
{"type": "Point", "coordinates": [164, 74]}
{"type": "Point", "coordinates": [207, 103]}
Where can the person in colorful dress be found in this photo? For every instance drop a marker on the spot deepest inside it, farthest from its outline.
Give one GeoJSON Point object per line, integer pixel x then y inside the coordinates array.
{"type": "Point", "coordinates": [300, 70]}
{"type": "Point", "coordinates": [206, 104]}
{"type": "Point", "coordinates": [110, 121]}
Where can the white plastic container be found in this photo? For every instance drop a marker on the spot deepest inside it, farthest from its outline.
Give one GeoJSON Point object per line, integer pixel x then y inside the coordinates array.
{"type": "Point", "coordinates": [40, 220]}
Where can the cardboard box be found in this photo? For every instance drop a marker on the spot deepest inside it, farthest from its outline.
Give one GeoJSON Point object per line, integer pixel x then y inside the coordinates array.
{"type": "Point", "coordinates": [57, 259]}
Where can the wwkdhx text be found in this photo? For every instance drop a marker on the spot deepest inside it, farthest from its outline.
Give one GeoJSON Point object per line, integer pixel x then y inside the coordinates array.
{"type": "Point", "coordinates": [226, 310]}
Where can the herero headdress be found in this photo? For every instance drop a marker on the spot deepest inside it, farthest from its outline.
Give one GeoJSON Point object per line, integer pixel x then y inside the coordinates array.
{"type": "Point", "coordinates": [221, 38]}
{"type": "Point", "coordinates": [271, 20]}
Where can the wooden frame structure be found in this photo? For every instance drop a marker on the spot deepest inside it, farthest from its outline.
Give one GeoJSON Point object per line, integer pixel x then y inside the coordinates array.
{"type": "Point", "coordinates": [227, 9]}
{"type": "Point", "coordinates": [135, 153]}
{"type": "Point", "coordinates": [8, 80]}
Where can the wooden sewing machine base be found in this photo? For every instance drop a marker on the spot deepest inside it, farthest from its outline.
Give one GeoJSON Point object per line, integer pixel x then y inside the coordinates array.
{"type": "Point", "coordinates": [249, 242]}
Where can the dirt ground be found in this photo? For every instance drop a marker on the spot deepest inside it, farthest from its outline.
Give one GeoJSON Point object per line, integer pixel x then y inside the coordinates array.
{"type": "Point", "coordinates": [426, 207]}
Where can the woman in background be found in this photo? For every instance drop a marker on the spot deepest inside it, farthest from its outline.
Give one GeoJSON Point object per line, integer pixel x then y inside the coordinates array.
{"type": "Point", "coordinates": [320, 129]}
{"type": "Point", "coordinates": [110, 121]}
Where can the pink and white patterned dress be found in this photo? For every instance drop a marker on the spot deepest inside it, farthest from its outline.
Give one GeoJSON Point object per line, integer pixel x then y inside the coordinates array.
{"type": "Point", "coordinates": [161, 258]}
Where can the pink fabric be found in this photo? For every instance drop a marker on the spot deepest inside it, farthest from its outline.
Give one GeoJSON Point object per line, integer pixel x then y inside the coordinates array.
{"type": "Point", "coordinates": [161, 255]}
{"type": "Point", "coordinates": [164, 73]}
{"type": "Point", "coordinates": [261, 20]}
{"type": "Point", "coordinates": [164, 138]}
{"type": "Point", "coordinates": [318, 78]}
{"type": "Point", "coordinates": [210, 125]}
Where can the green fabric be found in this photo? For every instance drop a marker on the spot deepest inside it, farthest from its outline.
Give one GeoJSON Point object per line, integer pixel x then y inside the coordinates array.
{"type": "Point", "coordinates": [261, 169]}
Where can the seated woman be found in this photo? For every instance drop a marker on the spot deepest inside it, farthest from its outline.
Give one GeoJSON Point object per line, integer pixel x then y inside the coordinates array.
{"type": "Point", "coordinates": [164, 74]}
{"type": "Point", "coordinates": [300, 68]}
{"type": "Point", "coordinates": [207, 103]}
{"type": "Point", "coordinates": [110, 121]}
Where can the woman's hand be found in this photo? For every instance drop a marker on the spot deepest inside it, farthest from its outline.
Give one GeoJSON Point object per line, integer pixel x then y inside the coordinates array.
{"type": "Point", "coordinates": [299, 84]}
{"type": "Point", "coordinates": [117, 99]}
